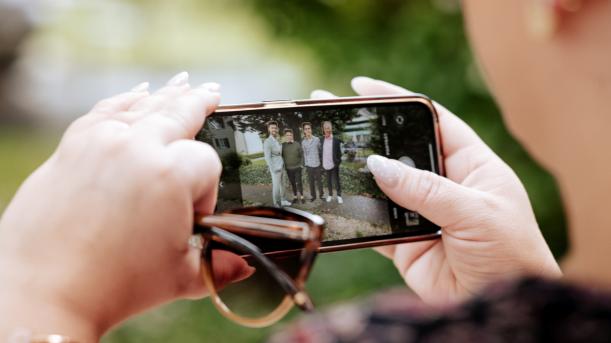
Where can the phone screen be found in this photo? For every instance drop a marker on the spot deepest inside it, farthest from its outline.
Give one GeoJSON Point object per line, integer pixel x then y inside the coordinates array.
{"type": "Point", "coordinates": [315, 159]}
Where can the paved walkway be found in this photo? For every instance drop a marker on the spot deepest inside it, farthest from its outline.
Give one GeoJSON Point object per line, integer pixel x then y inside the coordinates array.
{"type": "Point", "coordinates": [358, 216]}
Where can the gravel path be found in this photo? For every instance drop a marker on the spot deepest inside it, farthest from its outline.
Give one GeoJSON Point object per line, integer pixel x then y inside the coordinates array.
{"type": "Point", "coordinates": [358, 216]}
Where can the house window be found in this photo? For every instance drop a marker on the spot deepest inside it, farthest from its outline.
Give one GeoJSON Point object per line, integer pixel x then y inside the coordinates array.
{"type": "Point", "coordinates": [222, 143]}
{"type": "Point", "coordinates": [216, 123]}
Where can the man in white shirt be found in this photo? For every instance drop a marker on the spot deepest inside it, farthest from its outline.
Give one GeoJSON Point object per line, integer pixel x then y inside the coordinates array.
{"type": "Point", "coordinates": [272, 152]}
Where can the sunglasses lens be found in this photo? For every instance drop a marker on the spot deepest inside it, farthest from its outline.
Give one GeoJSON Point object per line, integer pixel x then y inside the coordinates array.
{"type": "Point", "coordinates": [247, 287]}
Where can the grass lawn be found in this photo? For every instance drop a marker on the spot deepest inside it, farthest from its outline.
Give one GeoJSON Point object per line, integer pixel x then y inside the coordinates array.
{"type": "Point", "coordinates": [21, 151]}
{"type": "Point", "coordinates": [336, 277]}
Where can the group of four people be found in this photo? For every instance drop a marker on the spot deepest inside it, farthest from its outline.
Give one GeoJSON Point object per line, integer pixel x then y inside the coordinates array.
{"type": "Point", "coordinates": [316, 156]}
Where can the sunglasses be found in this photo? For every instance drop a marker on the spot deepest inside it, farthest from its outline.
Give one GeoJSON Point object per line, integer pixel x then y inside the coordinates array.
{"type": "Point", "coordinates": [255, 261]}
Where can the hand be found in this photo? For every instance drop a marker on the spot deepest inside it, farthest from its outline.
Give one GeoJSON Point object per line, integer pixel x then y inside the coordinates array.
{"type": "Point", "coordinates": [100, 230]}
{"type": "Point", "coordinates": [489, 229]}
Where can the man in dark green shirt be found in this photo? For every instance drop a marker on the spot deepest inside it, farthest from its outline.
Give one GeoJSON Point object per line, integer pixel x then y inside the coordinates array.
{"type": "Point", "coordinates": [293, 160]}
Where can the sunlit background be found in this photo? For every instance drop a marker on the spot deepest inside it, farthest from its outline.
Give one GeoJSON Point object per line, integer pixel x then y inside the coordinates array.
{"type": "Point", "coordinates": [58, 57]}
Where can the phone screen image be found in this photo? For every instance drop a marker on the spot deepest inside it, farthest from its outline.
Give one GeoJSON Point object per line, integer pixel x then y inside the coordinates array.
{"type": "Point", "coordinates": [315, 158]}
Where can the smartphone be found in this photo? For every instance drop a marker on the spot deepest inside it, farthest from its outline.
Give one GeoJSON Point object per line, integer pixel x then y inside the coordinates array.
{"type": "Point", "coordinates": [311, 155]}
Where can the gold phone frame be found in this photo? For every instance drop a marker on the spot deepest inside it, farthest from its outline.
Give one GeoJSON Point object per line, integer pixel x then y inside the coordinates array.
{"type": "Point", "coordinates": [355, 100]}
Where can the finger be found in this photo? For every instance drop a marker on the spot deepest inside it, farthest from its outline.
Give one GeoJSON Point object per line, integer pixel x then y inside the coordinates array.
{"type": "Point", "coordinates": [456, 134]}
{"type": "Point", "coordinates": [193, 276]}
{"type": "Point", "coordinates": [176, 86]}
{"type": "Point", "coordinates": [161, 101]}
{"type": "Point", "coordinates": [413, 260]}
{"type": "Point", "coordinates": [123, 101]}
{"type": "Point", "coordinates": [363, 85]}
{"type": "Point", "coordinates": [322, 94]}
{"type": "Point", "coordinates": [193, 108]}
{"type": "Point", "coordinates": [228, 268]}
{"type": "Point", "coordinates": [106, 108]}
{"type": "Point", "coordinates": [386, 251]}
{"type": "Point", "coordinates": [437, 198]}
{"type": "Point", "coordinates": [199, 166]}
{"type": "Point", "coordinates": [180, 120]}
{"type": "Point", "coordinates": [406, 255]}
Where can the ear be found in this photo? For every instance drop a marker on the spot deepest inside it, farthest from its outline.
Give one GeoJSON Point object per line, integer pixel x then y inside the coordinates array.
{"type": "Point", "coordinates": [546, 16]}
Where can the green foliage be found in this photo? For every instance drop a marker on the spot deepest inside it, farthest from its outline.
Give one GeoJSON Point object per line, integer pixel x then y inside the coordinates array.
{"type": "Point", "coordinates": [22, 150]}
{"type": "Point", "coordinates": [258, 122]}
{"type": "Point", "coordinates": [253, 156]}
{"type": "Point", "coordinates": [353, 181]}
{"type": "Point", "coordinates": [255, 174]}
{"type": "Point", "coordinates": [232, 161]}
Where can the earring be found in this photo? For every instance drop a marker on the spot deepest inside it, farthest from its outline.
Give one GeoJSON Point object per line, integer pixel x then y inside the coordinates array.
{"type": "Point", "coordinates": [542, 18]}
{"type": "Point", "coordinates": [544, 15]}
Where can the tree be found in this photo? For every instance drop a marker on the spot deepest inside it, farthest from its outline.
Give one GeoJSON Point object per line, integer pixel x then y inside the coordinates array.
{"type": "Point", "coordinates": [293, 120]}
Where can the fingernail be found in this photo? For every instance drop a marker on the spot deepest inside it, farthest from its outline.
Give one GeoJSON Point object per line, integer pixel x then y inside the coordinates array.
{"type": "Point", "coordinates": [321, 94]}
{"type": "Point", "coordinates": [215, 97]}
{"type": "Point", "coordinates": [363, 78]}
{"type": "Point", "coordinates": [179, 79]}
{"type": "Point", "coordinates": [142, 87]}
{"type": "Point", "coordinates": [211, 86]}
{"type": "Point", "coordinates": [384, 170]}
{"type": "Point", "coordinates": [360, 79]}
{"type": "Point", "coordinates": [245, 273]}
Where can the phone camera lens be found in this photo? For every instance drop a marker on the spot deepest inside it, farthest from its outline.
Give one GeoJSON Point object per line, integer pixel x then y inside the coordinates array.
{"type": "Point", "coordinates": [399, 119]}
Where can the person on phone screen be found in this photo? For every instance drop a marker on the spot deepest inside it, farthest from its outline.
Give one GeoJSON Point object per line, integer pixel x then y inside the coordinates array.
{"type": "Point", "coordinates": [272, 152]}
{"type": "Point", "coordinates": [331, 159]}
{"type": "Point", "coordinates": [311, 159]}
{"type": "Point", "coordinates": [293, 160]}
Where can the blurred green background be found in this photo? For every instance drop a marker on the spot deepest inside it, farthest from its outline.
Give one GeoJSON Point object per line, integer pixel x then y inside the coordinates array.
{"type": "Point", "coordinates": [58, 57]}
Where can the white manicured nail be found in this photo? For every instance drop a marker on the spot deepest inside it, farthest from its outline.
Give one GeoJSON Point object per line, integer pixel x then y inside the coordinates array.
{"type": "Point", "coordinates": [215, 98]}
{"type": "Point", "coordinates": [142, 87]}
{"type": "Point", "coordinates": [179, 79]}
{"type": "Point", "coordinates": [384, 170]}
{"type": "Point", "coordinates": [321, 94]}
{"type": "Point", "coordinates": [211, 86]}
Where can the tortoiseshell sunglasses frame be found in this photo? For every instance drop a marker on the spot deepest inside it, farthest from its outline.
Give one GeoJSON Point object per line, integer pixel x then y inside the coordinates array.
{"type": "Point", "coordinates": [271, 222]}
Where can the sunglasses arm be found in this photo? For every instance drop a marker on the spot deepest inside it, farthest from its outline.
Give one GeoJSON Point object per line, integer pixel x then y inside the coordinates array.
{"type": "Point", "coordinates": [300, 298]}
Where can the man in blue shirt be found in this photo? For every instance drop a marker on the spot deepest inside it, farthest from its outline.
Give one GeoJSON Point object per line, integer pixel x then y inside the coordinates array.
{"type": "Point", "coordinates": [311, 159]}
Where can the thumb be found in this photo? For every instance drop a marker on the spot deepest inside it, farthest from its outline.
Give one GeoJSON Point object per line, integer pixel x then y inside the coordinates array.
{"type": "Point", "coordinates": [437, 198]}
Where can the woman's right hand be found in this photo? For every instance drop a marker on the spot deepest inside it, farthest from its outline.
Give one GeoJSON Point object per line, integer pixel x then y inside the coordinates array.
{"type": "Point", "coordinates": [489, 229]}
{"type": "Point", "coordinates": [100, 231]}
